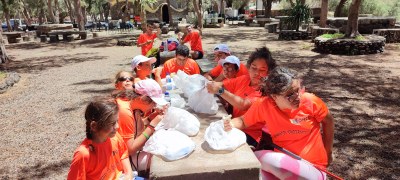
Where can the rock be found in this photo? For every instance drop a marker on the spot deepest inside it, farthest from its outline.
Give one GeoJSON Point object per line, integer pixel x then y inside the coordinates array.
{"type": "Point", "coordinates": [43, 38]}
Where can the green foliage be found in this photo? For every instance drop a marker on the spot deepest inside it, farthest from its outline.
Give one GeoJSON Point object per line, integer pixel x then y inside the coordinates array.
{"type": "Point", "coordinates": [297, 14]}
{"type": "Point", "coordinates": [332, 36]}
{"type": "Point", "coordinates": [360, 38]}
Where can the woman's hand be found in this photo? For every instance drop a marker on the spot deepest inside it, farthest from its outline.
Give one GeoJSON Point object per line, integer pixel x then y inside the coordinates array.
{"type": "Point", "coordinates": [157, 71]}
{"type": "Point", "coordinates": [213, 87]}
{"type": "Point", "coordinates": [227, 125]}
{"type": "Point", "coordinates": [156, 120]}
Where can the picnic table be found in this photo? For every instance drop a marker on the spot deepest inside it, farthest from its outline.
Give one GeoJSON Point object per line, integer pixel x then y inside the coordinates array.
{"type": "Point", "coordinates": [12, 36]}
{"type": "Point", "coordinates": [66, 33]}
{"type": "Point", "coordinates": [204, 163]}
{"type": "Point", "coordinates": [46, 28]}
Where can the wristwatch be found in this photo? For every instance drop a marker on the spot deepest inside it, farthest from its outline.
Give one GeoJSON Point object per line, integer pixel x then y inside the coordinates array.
{"type": "Point", "coordinates": [220, 91]}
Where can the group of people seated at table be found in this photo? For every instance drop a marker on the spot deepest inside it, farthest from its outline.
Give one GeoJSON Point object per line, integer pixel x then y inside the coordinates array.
{"type": "Point", "coordinates": [262, 97]}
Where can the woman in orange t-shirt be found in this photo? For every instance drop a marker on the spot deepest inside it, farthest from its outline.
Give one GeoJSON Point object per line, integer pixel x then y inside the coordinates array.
{"type": "Point", "coordinates": [103, 153]}
{"type": "Point", "coordinates": [294, 119]}
{"type": "Point", "coordinates": [242, 91]}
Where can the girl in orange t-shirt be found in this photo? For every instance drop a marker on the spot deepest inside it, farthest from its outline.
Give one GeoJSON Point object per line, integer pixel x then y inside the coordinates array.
{"type": "Point", "coordinates": [242, 91]}
{"type": "Point", "coordinates": [136, 121]}
{"type": "Point", "coordinates": [103, 153]}
{"type": "Point", "coordinates": [293, 118]}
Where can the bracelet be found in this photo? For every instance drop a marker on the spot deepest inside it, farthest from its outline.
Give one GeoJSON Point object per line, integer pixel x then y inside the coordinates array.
{"type": "Point", "coordinates": [151, 127]}
{"type": "Point", "coordinates": [146, 135]}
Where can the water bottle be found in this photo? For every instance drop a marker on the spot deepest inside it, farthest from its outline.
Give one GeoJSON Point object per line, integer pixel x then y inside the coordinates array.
{"type": "Point", "coordinates": [167, 97]}
{"type": "Point", "coordinates": [166, 46]}
{"type": "Point", "coordinates": [169, 82]}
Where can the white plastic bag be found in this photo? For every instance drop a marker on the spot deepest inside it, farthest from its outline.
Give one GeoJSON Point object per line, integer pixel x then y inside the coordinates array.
{"type": "Point", "coordinates": [203, 102]}
{"type": "Point", "coordinates": [177, 101]}
{"type": "Point", "coordinates": [180, 120]}
{"type": "Point", "coordinates": [219, 139]}
{"type": "Point", "coordinates": [169, 144]}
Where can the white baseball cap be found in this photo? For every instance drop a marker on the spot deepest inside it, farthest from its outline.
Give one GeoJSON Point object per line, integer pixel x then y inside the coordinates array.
{"type": "Point", "coordinates": [139, 59]}
{"type": "Point", "coordinates": [151, 88]}
{"type": "Point", "coordinates": [222, 48]}
{"type": "Point", "coordinates": [230, 59]}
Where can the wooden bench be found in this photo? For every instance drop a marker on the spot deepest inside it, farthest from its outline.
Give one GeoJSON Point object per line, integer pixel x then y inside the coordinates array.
{"type": "Point", "coordinates": [391, 35]}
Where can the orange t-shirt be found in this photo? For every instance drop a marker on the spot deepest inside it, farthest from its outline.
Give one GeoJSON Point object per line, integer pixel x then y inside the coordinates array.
{"type": "Point", "coordinates": [144, 38]}
{"type": "Point", "coordinates": [297, 131]}
{"type": "Point", "coordinates": [171, 66]}
{"type": "Point", "coordinates": [101, 162]}
{"type": "Point", "coordinates": [195, 41]}
{"type": "Point", "coordinates": [240, 86]}
{"type": "Point", "coordinates": [217, 70]}
{"type": "Point", "coordinates": [126, 120]}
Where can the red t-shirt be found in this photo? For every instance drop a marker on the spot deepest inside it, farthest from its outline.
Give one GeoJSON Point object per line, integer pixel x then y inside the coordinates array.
{"type": "Point", "coordinates": [144, 38]}
{"type": "Point", "coordinates": [101, 162]}
{"type": "Point", "coordinates": [240, 86]}
{"type": "Point", "coordinates": [218, 70]}
{"type": "Point", "coordinates": [195, 41]}
{"type": "Point", "coordinates": [298, 130]}
{"type": "Point", "coordinates": [171, 66]}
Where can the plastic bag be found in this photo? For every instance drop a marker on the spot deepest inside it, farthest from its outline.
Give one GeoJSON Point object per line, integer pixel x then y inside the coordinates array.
{"type": "Point", "coordinates": [180, 120]}
{"type": "Point", "coordinates": [203, 102]}
{"type": "Point", "coordinates": [219, 139]}
{"type": "Point", "coordinates": [169, 144]}
{"type": "Point", "coordinates": [177, 101]}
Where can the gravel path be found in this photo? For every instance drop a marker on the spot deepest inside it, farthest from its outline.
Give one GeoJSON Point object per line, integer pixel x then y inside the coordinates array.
{"type": "Point", "coordinates": [42, 120]}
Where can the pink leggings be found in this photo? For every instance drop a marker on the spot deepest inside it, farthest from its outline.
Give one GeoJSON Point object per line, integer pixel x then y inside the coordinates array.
{"type": "Point", "coordinates": [276, 165]}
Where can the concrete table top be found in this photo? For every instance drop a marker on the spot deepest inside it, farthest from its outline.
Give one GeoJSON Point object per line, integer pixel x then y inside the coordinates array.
{"type": "Point", "coordinates": [204, 163]}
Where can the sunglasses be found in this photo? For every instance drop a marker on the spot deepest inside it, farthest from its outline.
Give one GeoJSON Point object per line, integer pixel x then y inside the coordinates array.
{"type": "Point", "coordinates": [121, 79]}
{"type": "Point", "coordinates": [293, 95]}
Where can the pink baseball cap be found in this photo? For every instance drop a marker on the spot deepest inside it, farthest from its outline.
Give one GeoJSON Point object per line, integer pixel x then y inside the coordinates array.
{"type": "Point", "coordinates": [151, 88]}
{"type": "Point", "coordinates": [230, 59]}
{"type": "Point", "coordinates": [139, 59]}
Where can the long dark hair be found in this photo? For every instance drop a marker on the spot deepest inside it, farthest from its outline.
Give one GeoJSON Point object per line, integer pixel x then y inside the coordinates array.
{"type": "Point", "coordinates": [103, 111]}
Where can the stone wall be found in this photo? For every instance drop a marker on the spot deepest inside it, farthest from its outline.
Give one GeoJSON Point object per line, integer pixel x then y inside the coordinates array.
{"type": "Point", "coordinates": [293, 35]}
{"type": "Point", "coordinates": [371, 45]}
{"type": "Point", "coordinates": [366, 25]}
{"type": "Point", "coordinates": [391, 35]}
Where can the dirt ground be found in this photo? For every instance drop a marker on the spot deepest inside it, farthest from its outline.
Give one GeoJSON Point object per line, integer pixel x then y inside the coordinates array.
{"type": "Point", "coordinates": [42, 122]}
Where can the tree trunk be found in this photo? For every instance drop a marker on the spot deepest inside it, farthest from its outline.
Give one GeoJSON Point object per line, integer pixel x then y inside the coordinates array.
{"type": "Point", "coordinates": [50, 11]}
{"type": "Point", "coordinates": [106, 7]}
{"type": "Point", "coordinates": [339, 8]}
{"type": "Point", "coordinates": [101, 14]}
{"type": "Point", "coordinates": [171, 21]}
{"type": "Point", "coordinates": [70, 11]}
{"type": "Point", "coordinates": [6, 10]}
{"type": "Point", "coordinates": [27, 16]}
{"type": "Point", "coordinates": [352, 22]}
{"type": "Point", "coordinates": [84, 14]}
{"type": "Point", "coordinates": [56, 12]}
{"type": "Point", "coordinates": [197, 9]}
{"type": "Point", "coordinates": [229, 3]}
{"type": "Point", "coordinates": [78, 13]}
{"type": "Point", "coordinates": [41, 15]}
{"type": "Point", "coordinates": [267, 8]}
{"type": "Point", "coordinates": [143, 19]}
{"type": "Point", "coordinates": [242, 6]}
{"type": "Point", "coordinates": [291, 3]}
{"type": "Point", "coordinates": [3, 53]}
{"type": "Point", "coordinates": [324, 13]}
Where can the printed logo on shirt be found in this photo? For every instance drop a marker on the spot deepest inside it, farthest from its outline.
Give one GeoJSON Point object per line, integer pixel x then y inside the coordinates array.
{"type": "Point", "coordinates": [297, 121]}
